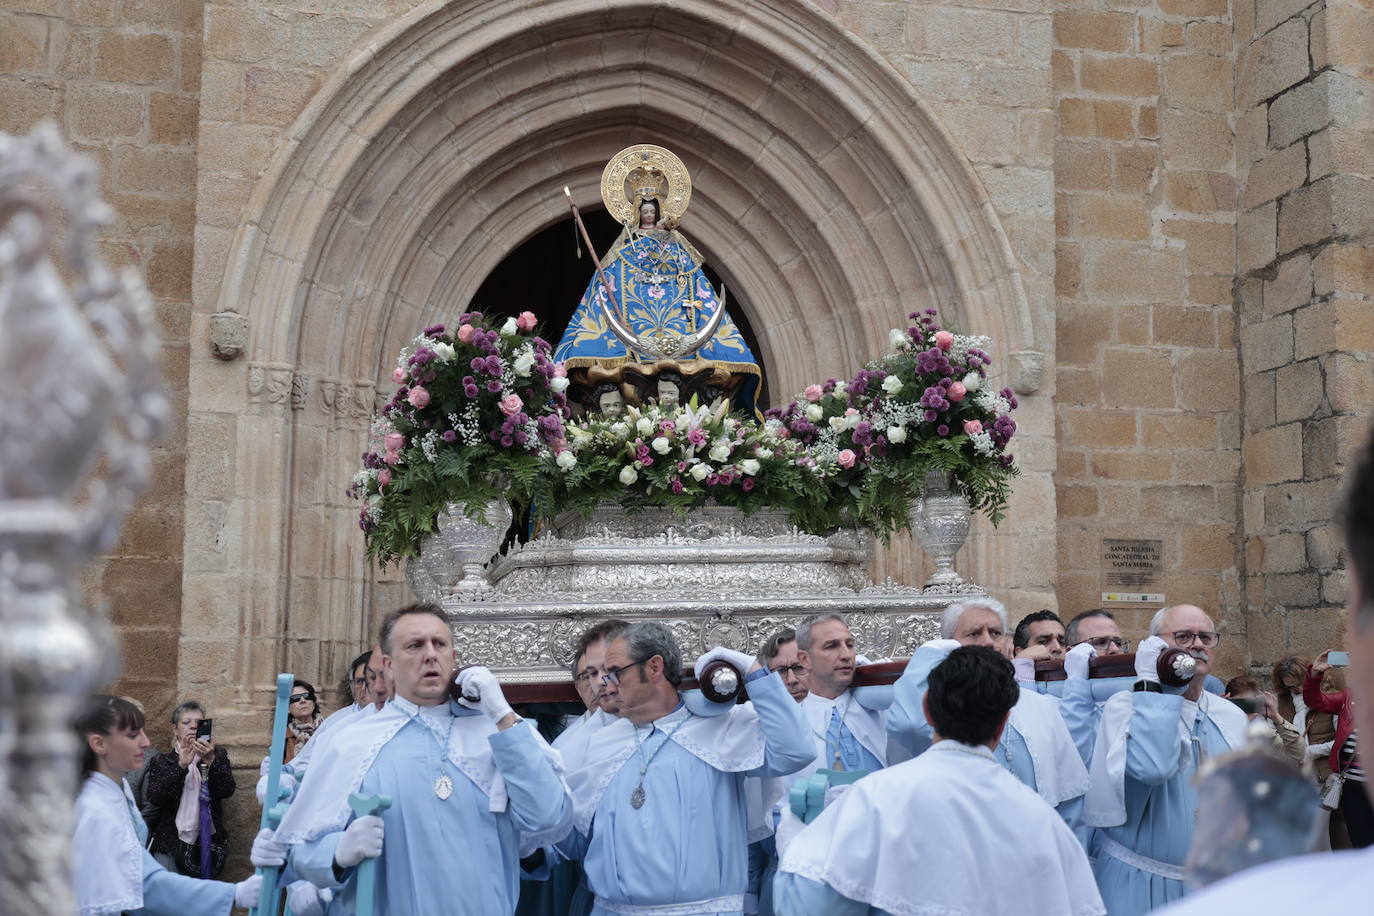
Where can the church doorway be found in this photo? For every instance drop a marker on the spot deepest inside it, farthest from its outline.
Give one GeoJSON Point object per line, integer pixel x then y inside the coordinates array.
{"type": "Point", "coordinates": [545, 275]}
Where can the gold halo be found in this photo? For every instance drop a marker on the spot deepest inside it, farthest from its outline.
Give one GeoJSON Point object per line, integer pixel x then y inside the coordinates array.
{"type": "Point", "coordinates": [651, 166]}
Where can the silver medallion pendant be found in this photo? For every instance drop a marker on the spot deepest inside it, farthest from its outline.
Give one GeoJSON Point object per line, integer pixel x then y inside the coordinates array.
{"type": "Point", "coordinates": [443, 787]}
{"type": "Point", "coordinates": [637, 798]}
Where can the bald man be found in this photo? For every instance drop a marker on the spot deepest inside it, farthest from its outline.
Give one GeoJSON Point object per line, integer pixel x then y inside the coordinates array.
{"type": "Point", "coordinates": [1150, 743]}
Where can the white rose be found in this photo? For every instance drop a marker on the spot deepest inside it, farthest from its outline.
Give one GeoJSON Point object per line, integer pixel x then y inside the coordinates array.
{"type": "Point", "coordinates": [682, 422]}
{"type": "Point", "coordinates": [510, 328]}
{"type": "Point", "coordinates": [814, 413]}
{"type": "Point", "coordinates": [892, 384]}
{"type": "Point", "coordinates": [896, 434]}
{"type": "Point", "coordinates": [749, 466]}
{"type": "Point", "coordinates": [852, 420]}
{"type": "Point", "coordinates": [558, 384]}
{"type": "Point", "coordinates": [837, 424]}
{"type": "Point", "coordinates": [700, 471]}
{"type": "Point", "coordinates": [644, 426]}
{"type": "Point", "coordinates": [896, 339]}
{"type": "Point", "coordinates": [620, 430]}
{"type": "Point", "coordinates": [524, 364]}
{"type": "Point", "coordinates": [840, 388]}
{"type": "Point", "coordinates": [661, 445]}
{"type": "Point", "coordinates": [764, 452]}
{"type": "Point", "coordinates": [566, 459]}
{"type": "Point", "coordinates": [443, 352]}
{"type": "Point", "coordinates": [972, 381]}
{"type": "Point", "coordinates": [720, 452]}
{"type": "Point", "coordinates": [628, 475]}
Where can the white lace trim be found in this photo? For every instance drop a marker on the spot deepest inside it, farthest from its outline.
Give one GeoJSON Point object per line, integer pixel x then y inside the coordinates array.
{"type": "Point", "coordinates": [728, 903]}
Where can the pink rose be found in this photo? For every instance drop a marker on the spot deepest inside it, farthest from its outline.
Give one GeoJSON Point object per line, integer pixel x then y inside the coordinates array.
{"type": "Point", "coordinates": [511, 404]}
{"type": "Point", "coordinates": [560, 371]}
{"type": "Point", "coordinates": [944, 340]}
{"type": "Point", "coordinates": [384, 476]}
{"type": "Point", "coordinates": [846, 458]}
{"type": "Point", "coordinates": [813, 393]}
{"type": "Point", "coordinates": [391, 457]}
{"type": "Point", "coordinates": [465, 333]}
{"type": "Point", "coordinates": [418, 398]}
{"type": "Point", "coordinates": [972, 426]}
{"type": "Point", "coordinates": [526, 321]}
{"type": "Point", "coordinates": [394, 442]}
{"type": "Point", "coordinates": [398, 375]}
{"type": "Point", "coordinates": [956, 392]}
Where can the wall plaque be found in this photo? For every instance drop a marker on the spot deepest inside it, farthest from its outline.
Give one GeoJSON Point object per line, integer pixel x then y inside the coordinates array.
{"type": "Point", "coordinates": [1129, 568]}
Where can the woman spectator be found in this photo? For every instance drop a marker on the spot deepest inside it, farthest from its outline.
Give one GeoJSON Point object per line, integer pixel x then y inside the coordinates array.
{"type": "Point", "coordinates": [305, 718]}
{"type": "Point", "coordinates": [1345, 754]}
{"type": "Point", "coordinates": [113, 873]}
{"type": "Point", "coordinates": [188, 784]}
{"type": "Point", "coordinates": [1318, 730]}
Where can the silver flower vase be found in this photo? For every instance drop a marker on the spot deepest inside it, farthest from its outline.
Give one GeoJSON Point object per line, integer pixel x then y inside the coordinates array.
{"type": "Point", "coordinates": [453, 558]}
{"type": "Point", "coordinates": [939, 520]}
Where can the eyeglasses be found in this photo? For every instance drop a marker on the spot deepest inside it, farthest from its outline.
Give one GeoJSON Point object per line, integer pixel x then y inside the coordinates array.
{"type": "Point", "coordinates": [794, 670]}
{"type": "Point", "coordinates": [360, 682]}
{"type": "Point", "coordinates": [297, 697]}
{"type": "Point", "coordinates": [612, 675]}
{"type": "Point", "coordinates": [1102, 642]}
{"type": "Point", "coordinates": [1205, 638]}
{"type": "Point", "coordinates": [585, 675]}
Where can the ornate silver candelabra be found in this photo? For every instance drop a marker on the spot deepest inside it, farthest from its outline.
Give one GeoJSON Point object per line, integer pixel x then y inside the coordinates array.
{"type": "Point", "coordinates": [80, 400]}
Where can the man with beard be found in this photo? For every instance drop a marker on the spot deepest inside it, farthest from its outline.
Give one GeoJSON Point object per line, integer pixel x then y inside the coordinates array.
{"type": "Point", "coordinates": [1149, 745]}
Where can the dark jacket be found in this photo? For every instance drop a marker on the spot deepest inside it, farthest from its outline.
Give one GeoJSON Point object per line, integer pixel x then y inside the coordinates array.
{"type": "Point", "coordinates": [163, 789]}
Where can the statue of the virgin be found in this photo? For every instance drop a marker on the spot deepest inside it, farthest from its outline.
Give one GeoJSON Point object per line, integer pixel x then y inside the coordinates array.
{"type": "Point", "coordinates": [648, 320]}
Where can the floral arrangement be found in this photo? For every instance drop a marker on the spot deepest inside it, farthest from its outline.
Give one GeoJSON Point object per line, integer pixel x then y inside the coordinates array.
{"type": "Point", "coordinates": [474, 414]}
{"type": "Point", "coordinates": [680, 457]}
{"type": "Point", "coordinates": [482, 414]}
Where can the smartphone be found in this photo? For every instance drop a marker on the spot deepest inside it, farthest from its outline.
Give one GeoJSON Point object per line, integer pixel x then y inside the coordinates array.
{"type": "Point", "coordinates": [1249, 706]}
{"type": "Point", "coordinates": [1338, 659]}
{"type": "Point", "coordinates": [203, 730]}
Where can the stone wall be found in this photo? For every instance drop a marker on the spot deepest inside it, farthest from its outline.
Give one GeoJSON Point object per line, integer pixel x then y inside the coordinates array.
{"type": "Point", "coordinates": [122, 81]}
{"type": "Point", "coordinates": [1305, 274]}
{"type": "Point", "coordinates": [1147, 394]}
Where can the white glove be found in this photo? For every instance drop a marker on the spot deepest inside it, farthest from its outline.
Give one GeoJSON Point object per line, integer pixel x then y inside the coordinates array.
{"type": "Point", "coordinates": [362, 839]}
{"type": "Point", "coordinates": [1147, 658]}
{"type": "Point", "coordinates": [267, 850]}
{"type": "Point", "coordinates": [247, 892]}
{"type": "Point", "coordinates": [862, 660]}
{"type": "Point", "coordinates": [1076, 661]}
{"type": "Point", "coordinates": [287, 782]}
{"type": "Point", "coordinates": [305, 899]}
{"type": "Point", "coordinates": [740, 661]}
{"type": "Point", "coordinates": [265, 765]}
{"type": "Point", "coordinates": [944, 645]}
{"type": "Point", "coordinates": [1024, 670]}
{"type": "Point", "coordinates": [481, 690]}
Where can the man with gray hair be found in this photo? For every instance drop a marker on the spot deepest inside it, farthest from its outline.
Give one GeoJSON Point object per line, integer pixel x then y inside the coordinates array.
{"type": "Point", "coordinates": [660, 822]}
{"type": "Point", "coordinates": [1036, 746]}
{"type": "Point", "coordinates": [1150, 743]}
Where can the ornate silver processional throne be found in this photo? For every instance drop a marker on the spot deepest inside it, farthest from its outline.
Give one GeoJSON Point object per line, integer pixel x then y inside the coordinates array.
{"type": "Point", "coordinates": [81, 402]}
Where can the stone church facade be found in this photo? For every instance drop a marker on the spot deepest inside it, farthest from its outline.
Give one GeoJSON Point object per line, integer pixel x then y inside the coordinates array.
{"type": "Point", "coordinates": [1161, 210]}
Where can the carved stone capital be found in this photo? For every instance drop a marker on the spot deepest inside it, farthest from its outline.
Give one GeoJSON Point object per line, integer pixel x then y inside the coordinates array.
{"type": "Point", "coordinates": [1027, 370]}
{"type": "Point", "coordinates": [228, 335]}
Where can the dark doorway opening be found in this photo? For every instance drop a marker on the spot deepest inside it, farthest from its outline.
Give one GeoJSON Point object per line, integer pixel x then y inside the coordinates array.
{"type": "Point", "coordinates": [545, 276]}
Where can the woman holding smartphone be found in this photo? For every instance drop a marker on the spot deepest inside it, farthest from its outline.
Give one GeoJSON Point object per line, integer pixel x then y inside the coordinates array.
{"type": "Point", "coordinates": [188, 785]}
{"type": "Point", "coordinates": [1345, 754]}
{"type": "Point", "coordinates": [112, 872]}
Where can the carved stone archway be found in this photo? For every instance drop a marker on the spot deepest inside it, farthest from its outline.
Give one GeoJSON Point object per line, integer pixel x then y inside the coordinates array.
{"type": "Point", "coordinates": [823, 185]}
